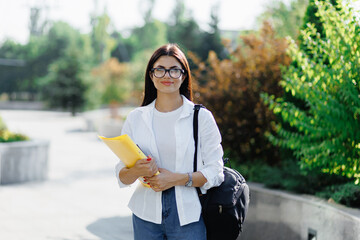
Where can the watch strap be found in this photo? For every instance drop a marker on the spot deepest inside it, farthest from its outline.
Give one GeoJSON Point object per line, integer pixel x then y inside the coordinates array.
{"type": "Point", "coordinates": [189, 182]}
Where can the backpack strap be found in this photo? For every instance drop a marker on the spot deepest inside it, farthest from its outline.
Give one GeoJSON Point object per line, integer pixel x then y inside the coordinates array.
{"type": "Point", "coordinates": [197, 108]}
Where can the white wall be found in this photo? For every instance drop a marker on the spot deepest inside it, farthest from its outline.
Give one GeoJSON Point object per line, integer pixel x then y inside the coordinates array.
{"type": "Point", "coordinates": [280, 215]}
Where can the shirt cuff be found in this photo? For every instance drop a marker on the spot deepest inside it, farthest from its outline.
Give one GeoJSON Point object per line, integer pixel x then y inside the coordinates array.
{"type": "Point", "coordinates": [212, 181]}
{"type": "Point", "coordinates": [118, 168]}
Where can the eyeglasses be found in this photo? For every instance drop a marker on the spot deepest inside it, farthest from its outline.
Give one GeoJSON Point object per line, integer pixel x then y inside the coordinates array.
{"type": "Point", "coordinates": [173, 72]}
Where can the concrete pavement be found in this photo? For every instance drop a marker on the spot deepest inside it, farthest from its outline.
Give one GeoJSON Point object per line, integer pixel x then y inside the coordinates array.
{"type": "Point", "coordinates": [80, 200]}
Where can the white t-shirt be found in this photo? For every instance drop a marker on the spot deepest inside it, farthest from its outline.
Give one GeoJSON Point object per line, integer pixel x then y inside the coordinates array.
{"type": "Point", "coordinates": [164, 130]}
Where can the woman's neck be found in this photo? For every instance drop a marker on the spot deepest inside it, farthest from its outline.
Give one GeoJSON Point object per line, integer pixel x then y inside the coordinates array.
{"type": "Point", "coordinates": [168, 102]}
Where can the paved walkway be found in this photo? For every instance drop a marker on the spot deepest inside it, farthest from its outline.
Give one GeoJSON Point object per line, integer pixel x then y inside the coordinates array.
{"type": "Point", "coordinates": [81, 198]}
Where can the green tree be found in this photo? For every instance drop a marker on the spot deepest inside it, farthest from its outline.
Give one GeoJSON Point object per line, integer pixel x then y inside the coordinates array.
{"type": "Point", "coordinates": [212, 39]}
{"type": "Point", "coordinates": [56, 44]}
{"type": "Point", "coordinates": [12, 67]}
{"type": "Point", "coordinates": [311, 16]}
{"type": "Point", "coordinates": [149, 36]}
{"type": "Point", "coordinates": [102, 42]}
{"type": "Point", "coordinates": [34, 57]}
{"type": "Point", "coordinates": [37, 26]}
{"type": "Point", "coordinates": [286, 19]}
{"type": "Point", "coordinates": [178, 14]}
{"type": "Point", "coordinates": [123, 50]}
{"type": "Point", "coordinates": [325, 77]}
{"type": "Point", "coordinates": [64, 86]}
{"type": "Point", "coordinates": [184, 30]}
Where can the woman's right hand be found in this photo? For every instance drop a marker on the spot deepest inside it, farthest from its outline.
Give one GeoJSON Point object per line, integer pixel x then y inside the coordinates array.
{"type": "Point", "coordinates": [145, 167]}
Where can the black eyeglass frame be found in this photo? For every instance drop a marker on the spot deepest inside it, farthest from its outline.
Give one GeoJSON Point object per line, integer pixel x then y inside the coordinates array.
{"type": "Point", "coordinates": [182, 72]}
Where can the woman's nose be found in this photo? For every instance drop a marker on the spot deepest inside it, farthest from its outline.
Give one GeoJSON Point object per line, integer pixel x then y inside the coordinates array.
{"type": "Point", "coordinates": [167, 74]}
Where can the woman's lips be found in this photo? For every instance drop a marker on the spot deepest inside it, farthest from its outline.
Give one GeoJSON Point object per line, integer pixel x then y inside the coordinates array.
{"type": "Point", "coordinates": [166, 83]}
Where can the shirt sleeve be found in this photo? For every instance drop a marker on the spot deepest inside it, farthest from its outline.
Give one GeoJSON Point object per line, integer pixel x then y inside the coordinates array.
{"type": "Point", "coordinates": [211, 150]}
{"type": "Point", "coordinates": [126, 129]}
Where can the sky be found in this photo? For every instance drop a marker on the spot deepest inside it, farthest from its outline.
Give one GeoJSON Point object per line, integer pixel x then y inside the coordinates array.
{"type": "Point", "coordinates": [125, 14]}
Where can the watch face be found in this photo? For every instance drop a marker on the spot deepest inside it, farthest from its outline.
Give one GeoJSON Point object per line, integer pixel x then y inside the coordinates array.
{"type": "Point", "coordinates": [189, 183]}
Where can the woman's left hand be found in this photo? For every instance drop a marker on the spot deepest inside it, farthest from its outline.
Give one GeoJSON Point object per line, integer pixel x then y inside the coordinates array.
{"type": "Point", "coordinates": [162, 181]}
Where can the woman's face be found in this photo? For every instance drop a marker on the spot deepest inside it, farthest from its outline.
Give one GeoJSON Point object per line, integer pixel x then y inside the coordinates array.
{"type": "Point", "coordinates": [170, 83]}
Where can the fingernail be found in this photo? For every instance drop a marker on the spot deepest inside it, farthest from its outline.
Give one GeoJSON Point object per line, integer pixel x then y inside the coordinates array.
{"type": "Point", "coordinates": [149, 159]}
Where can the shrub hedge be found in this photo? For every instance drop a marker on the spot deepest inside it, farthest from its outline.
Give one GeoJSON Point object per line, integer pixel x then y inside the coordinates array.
{"type": "Point", "coordinates": [326, 136]}
{"type": "Point", "coordinates": [231, 89]}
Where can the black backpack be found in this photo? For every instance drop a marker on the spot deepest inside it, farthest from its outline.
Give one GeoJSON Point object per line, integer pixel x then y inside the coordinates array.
{"type": "Point", "coordinates": [224, 207]}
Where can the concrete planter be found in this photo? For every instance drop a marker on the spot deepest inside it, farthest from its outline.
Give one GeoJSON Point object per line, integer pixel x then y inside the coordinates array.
{"type": "Point", "coordinates": [23, 161]}
{"type": "Point", "coordinates": [280, 215]}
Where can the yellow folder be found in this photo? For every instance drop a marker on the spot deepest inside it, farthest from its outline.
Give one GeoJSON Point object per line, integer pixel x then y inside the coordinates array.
{"type": "Point", "coordinates": [126, 150]}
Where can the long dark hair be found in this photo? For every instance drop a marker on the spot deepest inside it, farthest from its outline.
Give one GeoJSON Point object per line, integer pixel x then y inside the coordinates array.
{"type": "Point", "coordinates": [172, 50]}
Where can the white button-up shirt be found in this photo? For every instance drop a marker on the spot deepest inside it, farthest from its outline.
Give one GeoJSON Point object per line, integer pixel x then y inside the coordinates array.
{"type": "Point", "coordinates": [145, 202]}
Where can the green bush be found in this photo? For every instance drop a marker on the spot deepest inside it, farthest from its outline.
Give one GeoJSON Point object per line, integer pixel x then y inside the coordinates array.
{"type": "Point", "coordinates": [231, 89]}
{"type": "Point", "coordinates": [7, 136]}
{"type": "Point", "coordinates": [288, 176]}
{"type": "Point", "coordinates": [327, 136]}
{"type": "Point", "coordinates": [255, 171]}
{"type": "Point", "coordinates": [2, 124]}
{"type": "Point", "coordinates": [347, 194]}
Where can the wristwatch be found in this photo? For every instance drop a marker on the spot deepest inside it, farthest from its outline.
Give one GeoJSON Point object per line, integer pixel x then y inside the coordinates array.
{"type": "Point", "coordinates": [189, 182]}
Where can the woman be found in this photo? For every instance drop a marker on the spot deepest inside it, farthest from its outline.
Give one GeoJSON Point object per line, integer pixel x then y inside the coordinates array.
{"type": "Point", "coordinates": [162, 127]}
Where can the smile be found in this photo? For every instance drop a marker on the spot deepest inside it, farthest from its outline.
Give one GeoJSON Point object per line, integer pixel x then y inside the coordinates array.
{"type": "Point", "coordinates": [166, 83]}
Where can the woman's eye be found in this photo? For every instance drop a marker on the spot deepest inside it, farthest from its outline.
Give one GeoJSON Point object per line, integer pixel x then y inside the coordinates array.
{"type": "Point", "coordinates": [160, 70]}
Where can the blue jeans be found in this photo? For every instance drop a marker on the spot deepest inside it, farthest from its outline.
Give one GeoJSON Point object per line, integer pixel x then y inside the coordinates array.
{"type": "Point", "coordinates": [170, 228]}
